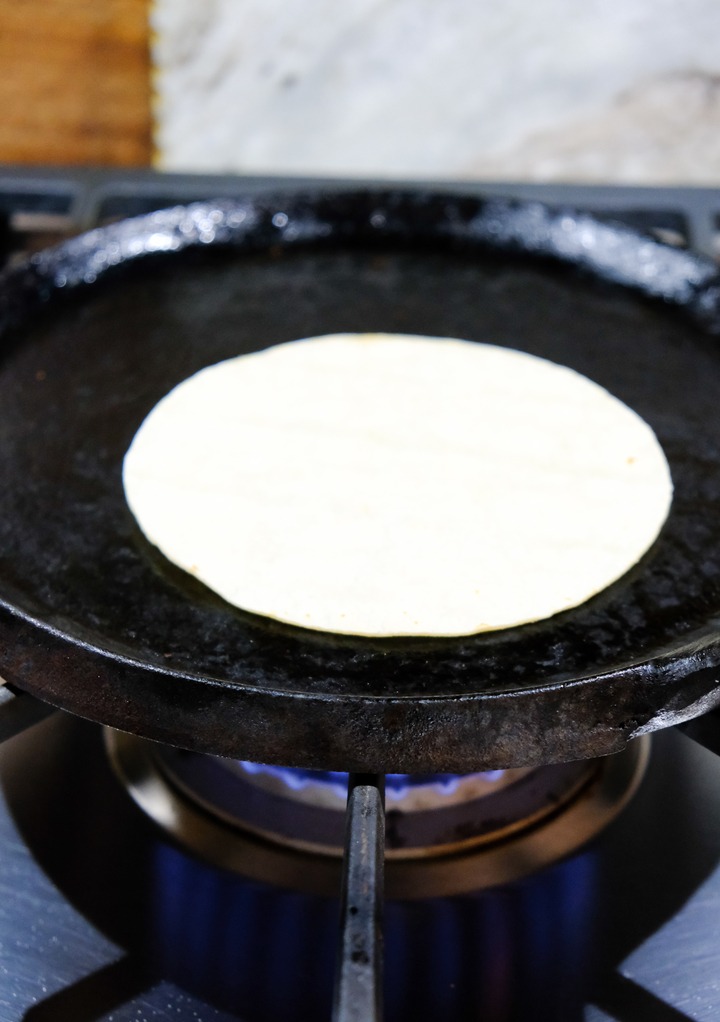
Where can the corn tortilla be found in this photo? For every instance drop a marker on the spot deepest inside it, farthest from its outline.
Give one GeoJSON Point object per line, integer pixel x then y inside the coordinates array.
{"type": "Point", "coordinates": [392, 485]}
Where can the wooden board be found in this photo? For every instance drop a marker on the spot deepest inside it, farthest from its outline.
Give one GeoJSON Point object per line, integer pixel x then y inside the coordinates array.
{"type": "Point", "coordinates": [75, 83]}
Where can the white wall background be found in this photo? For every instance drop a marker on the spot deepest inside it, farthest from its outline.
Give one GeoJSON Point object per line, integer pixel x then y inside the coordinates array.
{"type": "Point", "coordinates": [583, 90]}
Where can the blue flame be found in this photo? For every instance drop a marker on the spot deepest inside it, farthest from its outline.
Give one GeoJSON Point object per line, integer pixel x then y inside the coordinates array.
{"type": "Point", "coordinates": [396, 785]}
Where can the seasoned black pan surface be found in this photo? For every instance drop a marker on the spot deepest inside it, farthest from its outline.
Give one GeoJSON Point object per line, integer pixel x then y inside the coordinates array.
{"type": "Point", "coordinates": [95, 621]}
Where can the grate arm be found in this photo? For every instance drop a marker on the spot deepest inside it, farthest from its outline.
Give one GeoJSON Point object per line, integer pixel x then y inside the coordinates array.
{"type": "Point", "coordinates": [19, 711]}
{"type": "Point", "coordinates": [358, 973]}
{"type": "Point", "coordinates": [704, 730]}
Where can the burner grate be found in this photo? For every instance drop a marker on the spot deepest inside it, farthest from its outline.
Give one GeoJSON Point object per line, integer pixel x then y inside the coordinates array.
{"type": "Point", "coordinates": [41, 205]}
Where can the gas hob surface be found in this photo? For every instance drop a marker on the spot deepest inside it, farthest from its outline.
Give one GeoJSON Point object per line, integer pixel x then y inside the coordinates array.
{"type": "Point", "coordinates": [102, 917]}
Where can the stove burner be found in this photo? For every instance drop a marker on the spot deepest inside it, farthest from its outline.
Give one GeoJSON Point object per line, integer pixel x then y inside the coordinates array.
{"type": "Point", "coordinates": [405, 792]}
{"type": "Point", "coordinates": [287, 827]}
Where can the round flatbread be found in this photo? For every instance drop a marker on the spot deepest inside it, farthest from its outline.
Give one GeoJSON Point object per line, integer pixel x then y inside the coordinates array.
{"type": "Point", "coordinates": [382, 485]}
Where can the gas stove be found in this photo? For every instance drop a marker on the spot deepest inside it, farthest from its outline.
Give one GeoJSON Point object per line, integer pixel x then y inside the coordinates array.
{"type": "Point", "coordinates": [104, 915]}
{"type": "Point", "coordinates": [131, 890]}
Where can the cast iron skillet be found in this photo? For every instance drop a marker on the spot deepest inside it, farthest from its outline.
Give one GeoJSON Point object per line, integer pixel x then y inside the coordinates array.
{"type": "Point", "coordinates": [93, 620]}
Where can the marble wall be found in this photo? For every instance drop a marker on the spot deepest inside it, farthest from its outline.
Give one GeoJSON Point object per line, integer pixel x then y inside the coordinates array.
{"type": "Point", "coordinates": [603, 90]}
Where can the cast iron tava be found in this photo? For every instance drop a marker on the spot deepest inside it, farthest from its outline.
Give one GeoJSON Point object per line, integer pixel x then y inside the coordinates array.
{"type": "Point", "coordinates": [93, 620]}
